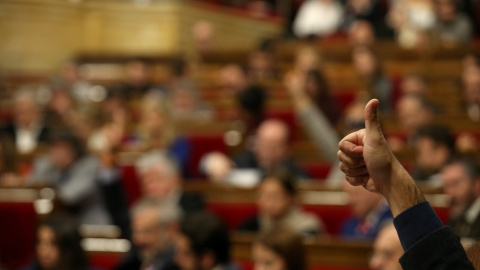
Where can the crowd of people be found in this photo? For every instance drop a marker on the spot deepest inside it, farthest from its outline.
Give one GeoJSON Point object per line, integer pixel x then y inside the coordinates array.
{"type": "Point", "coordinates": [70, 133]}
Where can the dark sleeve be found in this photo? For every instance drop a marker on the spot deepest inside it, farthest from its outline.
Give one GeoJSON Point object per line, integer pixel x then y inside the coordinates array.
{"type": "Point", "coordinates": [115, 200]}
{"type": "Point", "coordinates": [428, 244]}
{"type": "Point", "coordinates": [245, 160]}
{"type": "Point", "coordinates": [251, 225]}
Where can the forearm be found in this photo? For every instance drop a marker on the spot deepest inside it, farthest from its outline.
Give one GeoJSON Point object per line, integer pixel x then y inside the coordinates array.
{"type": "Point", "coordinates": [401, 193]}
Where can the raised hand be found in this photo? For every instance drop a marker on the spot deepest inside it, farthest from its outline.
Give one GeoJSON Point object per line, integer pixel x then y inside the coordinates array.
{"type": "Point", "coordinates": [367, 160]}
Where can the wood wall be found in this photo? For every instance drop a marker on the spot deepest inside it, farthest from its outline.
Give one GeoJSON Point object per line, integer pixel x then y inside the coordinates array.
{"type": "Point", "coordinates": [37, 35]}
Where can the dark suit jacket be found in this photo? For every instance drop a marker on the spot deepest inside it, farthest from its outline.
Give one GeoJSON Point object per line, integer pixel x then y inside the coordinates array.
{"type": "Point", "coordinates": [191, 202]}
{"type": "Point", "coordinates": [10, 131]}
{"type": "Point", "coordinates": [464, 229]}
{"type": "Point", "coordinates": [132, 261]}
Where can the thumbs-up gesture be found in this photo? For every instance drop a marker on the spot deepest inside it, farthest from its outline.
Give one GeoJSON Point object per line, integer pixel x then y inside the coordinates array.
{"type": "Point", "coordinates": [367, 161]}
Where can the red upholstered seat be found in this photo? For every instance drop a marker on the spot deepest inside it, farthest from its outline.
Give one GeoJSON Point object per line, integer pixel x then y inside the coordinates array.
{"type": "Point", "coordinates": [105, 260]}
{"type": "Point", "coordinates": [18, 223]}
{"type": "Point", "coordinates": [202, 144]}
{"type": "Point", "coordinates": [317, 170]}
{"type": "Point", "coordinates": [233, 214]}
{"type": "Point", "coordinates": [130, 183]}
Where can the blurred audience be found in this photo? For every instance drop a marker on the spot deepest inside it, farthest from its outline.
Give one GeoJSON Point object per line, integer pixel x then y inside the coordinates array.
{"type": "Point", "coordinates": [28, 128]}
{"type": "Point", "coordinates": [369, 68]}
{"type": "Point", "coordinates": [451, 27]}
{"type": "Point", "coordinates": [277, 207]}
{"type": "Point", "coordinates": [203, 243]}
{"type": "Point", "coordinates": [414, 112]}
{"type": "Point", "coordinates": [461, 182]}
{"type": "Point", "coordinates": [361, 33]}
{"type": "Point", "coordinates": [372, 11]}
{"type": "Point", "coordinates": [73, 172]}
{"type": "Point", "coordinates": [138, 79]}
{"type": "Point", "coordinates": [412, 20]}
{"type": "Point", "coordinates": [233, 78]}
{"type": "Point", "coordinates": [434, 146]}
{"type": "Point", "coordinates": [160, 179]}
{"type": "Point", "coordinates": [471, 91]}
{"type": "Point", "coordinates": [187, 105]}
{"type": "Point", "coordinates": [387, 250]}
{"type": "Point", "coordinates": [58, 245]}
{"type": "Point", "coordinates": [156, 131]}
{"type": "Point", "coordinates": [155, 227]}
{"type": "Point", "coordinates": [414, 84]}
{"type": "Point", "coordinates": [270, 151]}
{"type": "Point", "coordinates": [370, 213]}
{"type": "Point", "coordinates": [279, 249]}
{"type": "Point", "coordinates": [318, 18]}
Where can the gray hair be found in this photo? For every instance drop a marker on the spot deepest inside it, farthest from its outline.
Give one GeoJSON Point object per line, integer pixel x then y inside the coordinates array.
{"type": "Point", "coordinates": [159, 160]}
{"type": "Point", "coordinates": [168, 213]}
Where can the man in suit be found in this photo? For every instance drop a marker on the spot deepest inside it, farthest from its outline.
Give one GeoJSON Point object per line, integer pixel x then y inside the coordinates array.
{"type": "Point", "coordinates": [270, 151]}
{"type": "Point", "coordinates": [203, 243]}
{"type": "Point", "coordinates": [370, 213]}
{"type": "Point", "coordinates": [27, 129]}
{"type": "Point", "coordinates": [461, 181]}
{"type": "Point", "coordinates": [160, 178]}
{"type": "Point", "coordinates": [367, 161]}
{"type": "Point", "coordinates": [154, 228]}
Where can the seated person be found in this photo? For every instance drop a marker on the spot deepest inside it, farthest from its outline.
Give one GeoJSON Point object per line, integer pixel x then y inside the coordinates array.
{"type": "Point", "coordinates": [203, 243]}
{"type": "Point", "coordinates": [58, 245]}
{"type": "Point", "coordinates": [277, 208]}
{"type": "Point", "coordinates": [186, 103]}
{"type": "Point", "coordinates": [156, 131]}
{"type": "Point", "coordinates": [73, 173]}
{"type": "Point", "coordinates": [451, 27]}
{"type": "Point", "coordinates": [387, 250]}
{"type": "Point", "coordinates": [138, 79]}
{"type": "Point", "coordinates": [161, 179]}
{"type": "Point", "coordinates": [279, 249]}
{"type": "Point", "coordinates": [270, 151]}
{"type": "Point", "coordinates": [414, 84]}
{"type": "Point", "coordinates": [461, 182]}
{"type": "Point", "coordinates": [414, 112]}
{"type": "Point", "coordinates": [154, 228]}
{"type": "Point", "coordinates": [28, 128]}
{"type": "Point", "coordinates": [471, 92]}
{"type": "Point", "coordinates": [369, 68]}
{"type": "Point", "coordinates": [370, 213]}
{"type": "Point", "coordinates": [434, 146]}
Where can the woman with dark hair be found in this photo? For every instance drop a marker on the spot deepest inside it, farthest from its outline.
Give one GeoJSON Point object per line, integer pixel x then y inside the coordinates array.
{"type": "Point", "coordinates": [277, 208]}
{"type": "Point", "coordinates": [317, 88]}
{"type": "Point", "coordinates": [58, 246]}
{"type": "Point", "coordinates": [279, 249]}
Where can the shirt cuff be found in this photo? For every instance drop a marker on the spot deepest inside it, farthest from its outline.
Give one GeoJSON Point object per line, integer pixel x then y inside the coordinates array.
{"type": "Point", "coordinates": [415, 223]}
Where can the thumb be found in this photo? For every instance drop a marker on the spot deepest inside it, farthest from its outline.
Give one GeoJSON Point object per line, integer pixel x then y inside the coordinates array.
{"type": "Point", "coordinates": [372, 125]}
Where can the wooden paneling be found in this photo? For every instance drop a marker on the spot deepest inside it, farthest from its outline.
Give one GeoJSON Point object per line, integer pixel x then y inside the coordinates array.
{"type": "Point", "coordinates": [37, 35]}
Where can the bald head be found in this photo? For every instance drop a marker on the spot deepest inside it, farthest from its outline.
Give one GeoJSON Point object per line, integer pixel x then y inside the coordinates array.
{"type": "Point", "coordinates": [271, 146]}
{"type": "Point", "coordinates": [387, 250]}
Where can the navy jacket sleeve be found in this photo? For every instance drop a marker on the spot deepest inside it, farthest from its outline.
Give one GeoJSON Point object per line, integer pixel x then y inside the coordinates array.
{"type": "Point", "coordinates": [428, 244]}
